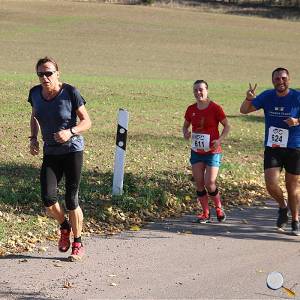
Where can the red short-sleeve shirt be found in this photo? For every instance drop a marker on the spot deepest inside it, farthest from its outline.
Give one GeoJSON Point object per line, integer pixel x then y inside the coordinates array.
{"type": "Point", "coordinates": [206, 121]}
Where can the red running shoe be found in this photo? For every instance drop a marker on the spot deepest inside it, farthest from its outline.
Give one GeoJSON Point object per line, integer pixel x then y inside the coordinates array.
{"type": "Point", "coordinates": [64, 241]}
{"type": "Point", "coordinates": [221, 216]}
{"type": "Point", "coordinates": [77, 252]}
{"type": "Point", "coordinates": [203, 218]}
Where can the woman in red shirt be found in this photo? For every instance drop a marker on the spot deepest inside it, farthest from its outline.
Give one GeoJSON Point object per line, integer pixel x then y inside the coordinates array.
{"type": "Point", "coordinates": [204, 116]}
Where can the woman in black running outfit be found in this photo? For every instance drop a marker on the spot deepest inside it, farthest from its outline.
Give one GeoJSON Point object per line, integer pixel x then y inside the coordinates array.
{"type": "Point", "coordinates": [59, 111]}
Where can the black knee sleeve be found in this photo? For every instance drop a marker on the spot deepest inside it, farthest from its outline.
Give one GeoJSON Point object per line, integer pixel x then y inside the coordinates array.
{"type": "Point", "coordinates": [201, 194]}
{"type": "Point", "coordinates": [215, 193]}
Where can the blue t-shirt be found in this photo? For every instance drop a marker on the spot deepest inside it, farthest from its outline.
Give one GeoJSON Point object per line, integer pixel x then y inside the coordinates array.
{"type": "Point", "coordinates": [57, 114]}
{"type": "Point", "coordinates": [276, 110]}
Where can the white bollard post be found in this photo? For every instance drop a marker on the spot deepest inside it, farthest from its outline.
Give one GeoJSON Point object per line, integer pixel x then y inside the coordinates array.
{"type": "Point", "coordinates": [117, 188]}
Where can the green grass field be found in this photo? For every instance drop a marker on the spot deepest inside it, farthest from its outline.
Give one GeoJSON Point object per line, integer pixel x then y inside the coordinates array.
{"type": "Point", "coordinates": [144, 59]}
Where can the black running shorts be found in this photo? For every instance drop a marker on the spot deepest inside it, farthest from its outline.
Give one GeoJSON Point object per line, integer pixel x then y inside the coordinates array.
{"type": "Point", "coordinates": [286, 158]}
{"type": "Point", "coordinates": [53, 169]}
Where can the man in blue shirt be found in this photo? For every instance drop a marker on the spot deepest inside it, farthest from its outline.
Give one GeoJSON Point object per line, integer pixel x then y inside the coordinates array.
{"type": "Point", "coordinates": [281, 107]}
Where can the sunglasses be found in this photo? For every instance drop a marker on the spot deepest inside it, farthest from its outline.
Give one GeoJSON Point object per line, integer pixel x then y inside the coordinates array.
{"type": "Point", "coordinates": [47, 74]}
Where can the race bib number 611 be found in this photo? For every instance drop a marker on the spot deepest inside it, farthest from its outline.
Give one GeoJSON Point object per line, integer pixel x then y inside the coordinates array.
{"type": "Point", "coordinates": [200, 141]}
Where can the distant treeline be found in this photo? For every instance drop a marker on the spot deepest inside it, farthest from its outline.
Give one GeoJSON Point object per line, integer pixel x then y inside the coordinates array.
{"type": "Point", "coordinates": [277, 6]}
{"type": "Point", "coordinates": [244, 3]}
{"type": "Point", "coordinates": [266, 3]}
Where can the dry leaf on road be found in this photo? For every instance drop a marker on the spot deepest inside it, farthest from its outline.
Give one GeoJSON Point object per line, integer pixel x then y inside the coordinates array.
{"type": "Point", "coordinates": [67, 285]}
{"type": "Point", "coordinates": [113, 284]}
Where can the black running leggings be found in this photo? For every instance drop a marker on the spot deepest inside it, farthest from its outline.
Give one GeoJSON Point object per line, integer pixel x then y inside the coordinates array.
{"type": "Point", "coordinates": [53, 169]}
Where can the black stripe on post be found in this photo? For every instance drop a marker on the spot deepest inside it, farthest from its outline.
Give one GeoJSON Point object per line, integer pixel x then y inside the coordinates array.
{"type": "Point", "coordinates": [121, 137]}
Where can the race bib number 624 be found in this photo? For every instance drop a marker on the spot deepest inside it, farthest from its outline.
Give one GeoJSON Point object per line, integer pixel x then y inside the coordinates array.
{"type": "Point", "coordinates": [277, 137]}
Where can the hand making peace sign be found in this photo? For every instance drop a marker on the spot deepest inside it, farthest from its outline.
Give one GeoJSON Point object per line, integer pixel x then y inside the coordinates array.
{"type": "Point", "coordinates": [250, 95]}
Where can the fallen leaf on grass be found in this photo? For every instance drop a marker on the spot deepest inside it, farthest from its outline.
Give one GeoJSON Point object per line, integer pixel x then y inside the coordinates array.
{"type": "Point", "coordinates": [188, 198]}
{"type": "Point", "coordinates": [109, 209]}
{"type": "Point", "coordinates": [29, 248]}
{"type": "Point", "coordinates": [42, 249]}
{"type": "Point", "coordinates": [42, 219]}
{"type": "Point", "coordinates": [135, 228]}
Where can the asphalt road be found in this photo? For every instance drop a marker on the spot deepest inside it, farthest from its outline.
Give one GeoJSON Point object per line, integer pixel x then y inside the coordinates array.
{"type": "Point", "coordinates": [172, 259]}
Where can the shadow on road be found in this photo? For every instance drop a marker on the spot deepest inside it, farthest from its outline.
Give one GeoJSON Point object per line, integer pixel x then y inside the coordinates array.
{"type": "Point", "coordinates": [22, 295]}
{"type": "Point", "coordinates": [257, 223]}
{"type": "Point", "coordinates": [23, 257]}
